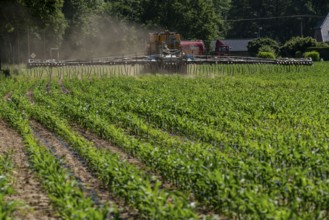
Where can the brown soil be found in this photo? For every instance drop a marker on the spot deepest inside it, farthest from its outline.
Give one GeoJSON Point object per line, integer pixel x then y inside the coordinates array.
{"type": "Point", "coordinates": [7, 96]}
{"type": "Point", "coordinates": [29, 94]}
{"type": "Point", "coordinates": [101, 143]}
{"type": "Point", "coordinates": [63, 88]}
{"type": "Point", "coordinates": [48, 87]}
{"type": "Point", "coordinates": [26, 186]}
{"type": "Point", "coordinates": [90, 184]}
{"type": "Point", "coordinates": [104, 144]}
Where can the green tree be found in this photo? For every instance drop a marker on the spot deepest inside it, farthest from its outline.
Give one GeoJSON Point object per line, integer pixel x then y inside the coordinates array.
{"type": "Point", "coordinates": [129, 10]}
{"type": "Point", "coordinates": [321, 7]}
{"type": "Point", "coordinates": [254, 46]}
{"type": "Point", "coordinates": [194, 19]}
{"type": "Point", "coordinates": [47, 15]}
{"type": "Point", "coordinates": [13, 17]}
{"type": "Point", "coordinates": [238, 28]}
{"type": "Point", "coordinates": [222, 8]}
{"type": "Point", "coordinates": [82, 29]}
{"type": "Point", "coordinates": [25, 21]}
{"type": "Point", "coordinates": [281, 21]}
{"type": "Point", "coordinates": [297, 45]}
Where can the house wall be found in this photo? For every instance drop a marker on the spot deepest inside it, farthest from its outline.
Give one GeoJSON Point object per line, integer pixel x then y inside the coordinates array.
{"type": "Point", "coordinates": [325, 29]}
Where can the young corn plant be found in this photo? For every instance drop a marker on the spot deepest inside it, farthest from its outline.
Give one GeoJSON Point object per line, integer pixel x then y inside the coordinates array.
{"type": "Point", "coordinates": [63, 189]}
{"type": "Point", "coordinates": [7, 208]}
{"type": "Point", "coordinates": [121, 177]}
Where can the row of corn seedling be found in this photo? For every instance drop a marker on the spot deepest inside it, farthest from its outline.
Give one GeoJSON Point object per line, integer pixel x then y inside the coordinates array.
{"type": "Point", "coordinates": [293, 159]}
{"type": "Point", "coordinates": [214, 187]}
{"type": "Point", "coordinates": [122, 178]}
{"type": "Point", "coordinates": [63, 189]}
{"type": "Point", "coordinates": [7, 208]}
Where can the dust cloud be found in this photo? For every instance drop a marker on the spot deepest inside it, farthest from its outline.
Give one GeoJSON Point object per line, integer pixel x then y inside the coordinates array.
{"type": "Point", "coordinates": [106, 37]}
{"type": "Point", "coordinates": [98, 36]}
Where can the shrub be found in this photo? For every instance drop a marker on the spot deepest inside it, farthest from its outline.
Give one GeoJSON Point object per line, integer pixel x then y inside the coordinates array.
{"type": "Point", "coordinates": [5, 72]}
{"type": "Point", "coordinates": [270, 55]}
{"type": "Point", "coordinates": [298, 54]}
{"type": "Point", "coordinates": [255, 45]}
{"type": "Point", "coordinates": [323, 51]}
{"type": "Point", "coordinates": [322, 44]}
{"type": "Point", "coordinates": [315, 55]}
{"type": "Point", "coordinates": [266, 48]}
{"type": "Point", "coordinates": [295, 44]}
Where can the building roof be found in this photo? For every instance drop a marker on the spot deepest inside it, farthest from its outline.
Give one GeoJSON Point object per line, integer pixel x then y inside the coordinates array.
{"type": "Point", "coordinates": [322, 23]}
{"type": "Point", "coordinates": [237, 44]}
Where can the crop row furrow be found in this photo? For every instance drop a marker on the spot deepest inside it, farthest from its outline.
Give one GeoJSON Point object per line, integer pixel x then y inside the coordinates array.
{"type": "Point", "coordinates": [120, 176]}
{"type": "Point", "coordinates": [287, 166]}
{"type": "Point", "coordinates": [257, 144]}
{"type": "Point", "coordinates": [63, 189]}
{"type": "Point", "coordinates": [88, 183]}
{"type": "Point", "coordinates": [208, 187]}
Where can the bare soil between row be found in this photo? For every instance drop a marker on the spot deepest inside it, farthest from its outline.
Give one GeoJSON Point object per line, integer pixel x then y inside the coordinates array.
{"type": "Point", "coordinates": [91, 186]}
{"type": "Point", "coordinates": [33, 200]}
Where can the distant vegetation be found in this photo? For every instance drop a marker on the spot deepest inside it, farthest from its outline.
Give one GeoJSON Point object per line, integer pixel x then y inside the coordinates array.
{"type": "Point", "coordinates": [295, 47]}
{"type": "Point", "coordinates": [85, 28]}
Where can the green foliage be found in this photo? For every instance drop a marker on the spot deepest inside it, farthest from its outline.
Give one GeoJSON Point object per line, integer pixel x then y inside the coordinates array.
{"type": "Point", "coordinates": [64, 190]}
{"type": "Point", "coordinates": [240, 153]}
{"type": "Point", "coordinates": [6, 166]}
{"type": "Point", "coordinates": [194, 19]}
{"type": "Point", "coordinates": [235, 155]}
{"type": "Point", "coordinates": [279, 25]}
{"type": "Point", "coordinates": [264, 43]}
{"type": "Point", "coordinates": [322, 44]}
{"type": "Point", "coordinates": [295, 44]}
{"type": "Point", "coordinates": [120, 176]}
{"type": "Point", "coordinates": [298, 54]}
{"type": "Point", "coordinates": [84, 28]}
{"type": "Point", "coordinates": [80, 15]}
{"type": "Point", "coordinates": [205, 23]}
{"type": "Point", "coordinates": [266, 48]}
{"type": "Point", "coordinates": [323, 51]}
{"type": "Point", "coordinates": [315, 55]}
{"type": "Point", "coordinates": [26, 23]}
{"type": "Point", "coordinates": [264, 54]}
{"type": "Point", "coordinates": [5, 72]}
{"type": "Point", "coordinates": [130, 10]}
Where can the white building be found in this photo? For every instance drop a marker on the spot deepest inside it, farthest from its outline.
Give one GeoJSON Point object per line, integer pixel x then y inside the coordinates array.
{"type": "Point", "coordinates": [322, 31]}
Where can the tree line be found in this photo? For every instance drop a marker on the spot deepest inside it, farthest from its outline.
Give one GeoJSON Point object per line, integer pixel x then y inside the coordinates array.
{"type": "Point", "coordinates": [89, 28]}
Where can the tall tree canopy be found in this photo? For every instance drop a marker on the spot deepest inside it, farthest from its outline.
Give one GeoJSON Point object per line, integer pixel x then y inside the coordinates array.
{"type": "Point", "coordinates": [24, 20]}
{"type": "Point", "coordinates": [278, 19]}
{"type": "Point", "coordinates": [192, 18]}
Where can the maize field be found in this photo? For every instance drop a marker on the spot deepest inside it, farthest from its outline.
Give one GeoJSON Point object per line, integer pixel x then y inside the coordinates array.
{"type": "Point", "coordinates": [231, 142]}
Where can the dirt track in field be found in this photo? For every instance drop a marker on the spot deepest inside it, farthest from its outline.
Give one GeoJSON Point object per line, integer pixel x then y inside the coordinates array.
{"type": "Point", "coordinates": [36, 204]}
{"type": "Point", "coordinates": [91, 185]}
